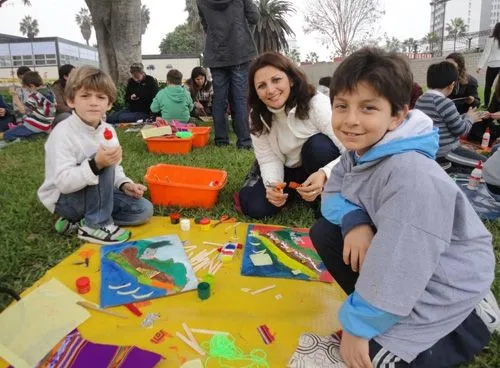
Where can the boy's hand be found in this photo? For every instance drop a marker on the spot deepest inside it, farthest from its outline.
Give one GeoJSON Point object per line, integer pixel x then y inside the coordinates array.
{"type": "Point", "coordinates": [276, 196]}
{"type": "Point", "coordinates": [313, 186]}
{"type": "Point", "coordinates": [356, 244]}
{"type": "Point", "coordinates": [134, 97]}
{"type": "Point", "coordinates": [133, 190]}
{"type": "Point", "coordinates": [470, 100]}
{"type": "Point", "coordinates": [2, 112]}
{"type": "Point", "coordinates": [105, 157]}
{"type": "Point", "coordinates": [474, 114]}
{"type": "Point", "coordinates": [355, 351]}
{"type": "Point", "coordinates": [495, 115]}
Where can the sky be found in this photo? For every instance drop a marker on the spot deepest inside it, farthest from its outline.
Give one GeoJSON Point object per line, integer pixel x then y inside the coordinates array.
{"type": "Point", "coordinates": [57, 18]}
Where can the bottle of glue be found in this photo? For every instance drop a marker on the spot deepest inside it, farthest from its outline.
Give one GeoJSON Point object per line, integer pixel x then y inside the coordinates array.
{"type": "Point", "coordinates": [475, 177]}
{"type": "Point", "coordinates": [108, 139]}
{"type": "Point", "coordinates": [486, 139]}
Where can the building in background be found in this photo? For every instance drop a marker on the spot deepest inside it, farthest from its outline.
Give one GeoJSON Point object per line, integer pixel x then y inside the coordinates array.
{"type": "Point", "coordinates": [47, 54]}
{"type": "Point", "coordinates": [44, 54]}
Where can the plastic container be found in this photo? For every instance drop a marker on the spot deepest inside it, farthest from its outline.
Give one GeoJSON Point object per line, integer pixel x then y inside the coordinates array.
{"type": "Point", "coordinates": [169, 145]}
{"type": "Point", "coordinates": [485, 142]}
{"type": "Point", "coordinates": [184, 186]}
{"type": "Point", "coordinates": [475, 177]}
{"type": "Point", "coordinates": [200, 136]}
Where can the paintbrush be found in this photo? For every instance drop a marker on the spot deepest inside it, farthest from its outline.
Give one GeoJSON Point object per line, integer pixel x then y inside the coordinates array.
{"type": "Point", "coordinates": [96, 308]}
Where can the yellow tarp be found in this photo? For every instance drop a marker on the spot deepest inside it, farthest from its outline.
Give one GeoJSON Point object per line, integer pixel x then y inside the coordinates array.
{"type": "Point", "coordinates": [303, 307]}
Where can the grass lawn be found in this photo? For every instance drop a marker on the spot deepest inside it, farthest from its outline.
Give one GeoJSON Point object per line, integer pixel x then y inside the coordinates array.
{"type": "Point", "coordinates": [29, 245]}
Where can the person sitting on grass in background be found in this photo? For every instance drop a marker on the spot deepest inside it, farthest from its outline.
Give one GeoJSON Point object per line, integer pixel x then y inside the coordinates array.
{"type": "Point", "coordinates": [84, 181]}
{"type": "Point", "coordinates": [7, 117]}
{"type": "Point", "coordinates": [62, 108]}
{"type": "Point", "coordinates": [491, 118]}
{"type": "Point", "coordinates": [441, 80]}
{"type": "Point", "coordinates": [140, 91]}
{"type": "Point", "coordinates": [201, 91]}
{"type": "Point", "coordinates": [465, 94]}
{"type": "Point", "coordinates": [38, 109]}
{"type": "Point", "coordinates": [416, 92]}
{"type": "Point", "coordinates": [417, 284]}
{"type": "Point", "coordinates": [174, 101]}
{"type": "Point", "coordinates": [20, 91]}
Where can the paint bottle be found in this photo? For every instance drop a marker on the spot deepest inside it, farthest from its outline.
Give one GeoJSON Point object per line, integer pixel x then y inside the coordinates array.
{"type": "Point", "coordinates": [83, 285]}
{"type": "Point", "coordinates": [205, 224]}
{"type": "Point", "coordinates": [204, 290]}
{"type": "Point", "coordinates": [475, 177]}
{"type": "Point", "coordinates": [109, 140]}
{"type": "Point", "coordinates": [175, 218]}
{"type": "Point", "coordinates": [485, 142]}
{"type": "Point", "coordinates": [185, 224]}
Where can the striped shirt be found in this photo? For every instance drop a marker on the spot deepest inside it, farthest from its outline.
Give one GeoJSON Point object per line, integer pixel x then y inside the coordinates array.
{"type": "Point", "coordinates": [446, 118]}
{"type": "Point", "coordinates": [40, 110]}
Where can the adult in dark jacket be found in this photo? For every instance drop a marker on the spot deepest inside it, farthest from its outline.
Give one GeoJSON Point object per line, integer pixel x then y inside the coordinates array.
{"type": "Point", "coordinates": [229, 48]}
{"type": "Point", "coordinates": [141, 89]}
{"type": "Point", "coordinates": [465, 95]}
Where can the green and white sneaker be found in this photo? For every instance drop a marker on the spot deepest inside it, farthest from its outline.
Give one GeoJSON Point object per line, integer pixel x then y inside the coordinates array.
{"type": "Point", "coordinates": [108, 234]}
{"type": "Point", "coordinates": [65, 227]}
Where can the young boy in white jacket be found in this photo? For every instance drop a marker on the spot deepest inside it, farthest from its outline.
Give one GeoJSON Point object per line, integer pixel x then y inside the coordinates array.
{"type": "Point", "coordinates": [84, 181]}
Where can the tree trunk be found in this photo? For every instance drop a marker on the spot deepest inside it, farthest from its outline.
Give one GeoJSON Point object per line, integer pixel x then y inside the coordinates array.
{"type": "Point", "coordinates": [117, 25]}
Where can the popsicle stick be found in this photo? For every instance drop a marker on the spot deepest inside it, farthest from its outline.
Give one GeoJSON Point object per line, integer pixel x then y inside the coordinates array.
{"type": "Point", "coordinates": [258, 291]}
{"type": "Point", "coordinates": [96, 308]}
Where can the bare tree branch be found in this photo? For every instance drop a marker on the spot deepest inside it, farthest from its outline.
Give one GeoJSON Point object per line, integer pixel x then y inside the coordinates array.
{"type": "Point", "coordinates": [341, 22]}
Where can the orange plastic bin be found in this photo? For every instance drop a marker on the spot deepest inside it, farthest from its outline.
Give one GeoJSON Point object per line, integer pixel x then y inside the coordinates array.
{"type": "Point", "coordinates": [184, 186]}
{"type": "Point", "coordinates": [169, 145]}
{"type": "Point", "coordinates": [200, 136]}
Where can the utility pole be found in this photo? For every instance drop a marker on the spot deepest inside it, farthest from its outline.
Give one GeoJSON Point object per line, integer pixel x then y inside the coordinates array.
{"type": "Point", "coordinates": [434, 3]}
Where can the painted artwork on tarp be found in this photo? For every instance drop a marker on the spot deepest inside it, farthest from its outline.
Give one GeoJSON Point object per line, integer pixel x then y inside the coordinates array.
{"type": "Point", "coordinates": [144, 269]}
{"type": "Point", "coordinates": [283, 252]}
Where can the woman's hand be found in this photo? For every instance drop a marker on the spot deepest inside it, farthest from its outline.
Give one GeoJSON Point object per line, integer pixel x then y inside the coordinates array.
{"type": "Point", "coordinates": [470, 100]}
{"type": "Point", "coordinates": [478, 70]}
{"type": "Point", "coordinates": [313, 186]}
{"type": "Point", "coordinates": [276, 196]}
{"type": "Point", "coordinates": [495, 115]}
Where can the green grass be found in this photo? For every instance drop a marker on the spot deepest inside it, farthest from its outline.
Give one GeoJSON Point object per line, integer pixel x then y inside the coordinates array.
{"type": "Point", "coordinates": [29, 245]}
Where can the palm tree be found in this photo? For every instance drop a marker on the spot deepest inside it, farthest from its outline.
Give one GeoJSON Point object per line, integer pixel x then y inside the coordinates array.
{"type": "Point", "coordinates": [272, 29]}
{"type": "Point", "coordinates": [412, 45]}
{"type": "Point", "coordinates": [312, 57]}
{"type": "Point", "coordinates": [393, 44]}
{"type": "Point", "coordinates": [29, 27]}
{"type": "Point", "coordinates": [145, 18]}
{"type": "Point", "coordinates": [432, 39]}
{"type": "Point", "coordinates": [294, 55]}
{"type": "Point", "coordinates": [84, 21]}
{"type": "Point", "coordinates": [456, 28]}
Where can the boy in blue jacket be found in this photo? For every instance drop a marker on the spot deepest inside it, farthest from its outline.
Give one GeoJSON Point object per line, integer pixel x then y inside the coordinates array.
{"type": "Point", "coordinates": [397, 233]}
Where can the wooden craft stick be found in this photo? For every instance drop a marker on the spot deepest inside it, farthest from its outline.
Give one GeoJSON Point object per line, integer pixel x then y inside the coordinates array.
{"type": "Point", "coordinates": [258, 291]}
{"type": "Point", "coordinates": [209, 332]}
{"type": "Point", "coordinates": [190, 344]}
{"type": "Point", "coordinates": [231, 227]}
{"type": "Point", "coordinates": [96, 308]}
{"type": "Point", "coordinates": [189, 334]}
{"type": "Point", "coordinates": [217, 268]}
{"type": "Point", "coordinates": [212, 243]}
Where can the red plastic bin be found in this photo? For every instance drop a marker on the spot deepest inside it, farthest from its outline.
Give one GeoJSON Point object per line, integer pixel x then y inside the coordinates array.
{"type": "Point", "coordinates": [200, 136]}
{"type": "Point", "coordinates": [184, 186]}
{"type": "Point", "coordinates": [169, 145]}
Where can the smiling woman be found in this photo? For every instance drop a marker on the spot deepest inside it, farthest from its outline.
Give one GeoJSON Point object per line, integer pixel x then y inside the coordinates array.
{"type": "Point", "coordinates": [292, 136]}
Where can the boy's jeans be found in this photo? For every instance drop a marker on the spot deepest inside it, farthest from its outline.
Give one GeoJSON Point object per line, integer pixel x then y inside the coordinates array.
{"type": "Point", "coordinates": [103, 204]}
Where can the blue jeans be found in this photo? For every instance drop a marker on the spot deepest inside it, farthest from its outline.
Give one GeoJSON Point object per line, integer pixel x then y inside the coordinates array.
{"type": "Point", "coordinates": [4, 122]}
{"type": "Point", "coordinates": [103, 204]}
{"type": "Point", "coordinates": [20, 131]}
{"type": "Point", "coordinates": [126, 116]}
{"type": "Point", "coordinates": [230, 84]}
{"type": "Point", "coordinates": [316, 152]}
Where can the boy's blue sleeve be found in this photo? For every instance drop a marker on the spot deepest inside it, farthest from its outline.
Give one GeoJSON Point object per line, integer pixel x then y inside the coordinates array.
{"type": "Point", "coordinates": [360, 318]}
{"type": "Point", "coordinates": [340, 211]}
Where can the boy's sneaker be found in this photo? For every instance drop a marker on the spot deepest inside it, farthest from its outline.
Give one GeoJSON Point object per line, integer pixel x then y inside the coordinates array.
{"type": "Point", "coordinates": [108, 234]}
{"type": "Point", "coordinates": [489, 312]}
{"type": "Point", "coordinates": [65, 227]}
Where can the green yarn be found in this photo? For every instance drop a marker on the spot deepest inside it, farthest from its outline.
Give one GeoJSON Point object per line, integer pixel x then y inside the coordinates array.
{"type": "Point", "coordinates": [223, 347]}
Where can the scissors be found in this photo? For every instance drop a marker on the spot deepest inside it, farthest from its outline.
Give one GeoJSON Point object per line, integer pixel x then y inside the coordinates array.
{"type": "Point", "coordinates": [224, 219]}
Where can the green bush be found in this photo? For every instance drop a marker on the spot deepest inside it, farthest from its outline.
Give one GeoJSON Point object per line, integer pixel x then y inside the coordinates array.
{"type": "Point", "coordinates": [120, 99]}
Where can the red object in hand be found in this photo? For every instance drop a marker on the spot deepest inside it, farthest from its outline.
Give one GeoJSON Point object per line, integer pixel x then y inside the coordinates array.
{"type": "Point", "coordinates": [294, 185]}
{"type": "Point", "coordinates": [83, 285]}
